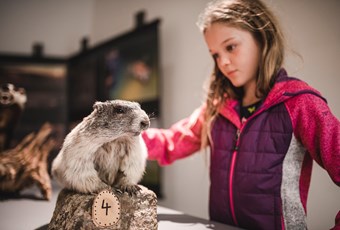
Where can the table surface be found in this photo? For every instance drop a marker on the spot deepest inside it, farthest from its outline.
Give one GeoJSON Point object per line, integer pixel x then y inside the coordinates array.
{"type": "Point", "coordinates": [28, 212]}
{"type": "Point", "coordinates": [169, 219]}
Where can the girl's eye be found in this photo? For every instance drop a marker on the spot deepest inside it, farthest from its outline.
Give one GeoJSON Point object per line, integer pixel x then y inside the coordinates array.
{"type": "Point", "coordinates": [230, 48]}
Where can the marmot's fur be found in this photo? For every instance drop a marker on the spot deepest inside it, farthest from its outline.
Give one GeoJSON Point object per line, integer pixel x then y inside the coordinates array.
{"type": "Point", "coordinates": [105, 149]}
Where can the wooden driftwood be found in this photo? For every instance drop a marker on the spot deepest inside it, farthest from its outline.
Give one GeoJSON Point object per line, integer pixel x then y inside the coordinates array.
{"type": "Point", "coordinates": [27, 164]}
{"type": "Point", "coordinates": [75, 211]}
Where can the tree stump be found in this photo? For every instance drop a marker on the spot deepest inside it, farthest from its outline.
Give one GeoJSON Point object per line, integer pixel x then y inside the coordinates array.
{"type": "Point", "coordinates": [27, 164]}
{"type": "Point", "coordinates": [75, 211]}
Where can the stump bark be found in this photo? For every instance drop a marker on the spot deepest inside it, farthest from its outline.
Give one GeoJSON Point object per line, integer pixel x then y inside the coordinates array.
{"type": "Point", "coordinates": [74, 211]}
{"type": "Point", "coordinates": [27, 164]}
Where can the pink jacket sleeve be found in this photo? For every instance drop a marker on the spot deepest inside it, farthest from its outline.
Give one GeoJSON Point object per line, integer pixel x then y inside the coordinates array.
{"type": "Point", "coordinates": [180, 140]}
{"type": "Point", "coordinates": [319, 131]}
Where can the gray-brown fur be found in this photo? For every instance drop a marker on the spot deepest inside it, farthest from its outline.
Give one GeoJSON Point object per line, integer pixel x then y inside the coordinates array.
{"type": "Point", "coordinates": [105, 149]}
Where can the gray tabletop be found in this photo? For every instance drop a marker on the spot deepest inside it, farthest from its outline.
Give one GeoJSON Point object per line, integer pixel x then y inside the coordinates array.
{"type": "Point", "coordinates": [169, 219]}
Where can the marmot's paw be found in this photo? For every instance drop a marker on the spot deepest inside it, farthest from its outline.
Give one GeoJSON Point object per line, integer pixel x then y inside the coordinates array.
{"type": "Point", "coordinates": [131, 189]}
{"type": "Point", "coordinates": [117, 190]}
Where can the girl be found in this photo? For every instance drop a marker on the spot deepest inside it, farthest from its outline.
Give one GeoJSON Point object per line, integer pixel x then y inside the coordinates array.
{"type": "Point", "coordinates": [263, 127]}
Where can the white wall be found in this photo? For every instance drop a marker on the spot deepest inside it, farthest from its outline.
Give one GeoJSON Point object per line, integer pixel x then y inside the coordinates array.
{"type": "Point", "coordinates": [60, 25]}
{"type": "Point", "coordinates": [311, 27]}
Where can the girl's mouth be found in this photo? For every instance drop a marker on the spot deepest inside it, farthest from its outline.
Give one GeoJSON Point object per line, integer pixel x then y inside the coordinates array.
{"type": "Point", "coordinates": [230, 73]}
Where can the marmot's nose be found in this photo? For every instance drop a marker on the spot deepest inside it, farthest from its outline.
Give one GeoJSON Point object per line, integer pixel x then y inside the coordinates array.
{"type": "Point", "coordinates": [144, 124]}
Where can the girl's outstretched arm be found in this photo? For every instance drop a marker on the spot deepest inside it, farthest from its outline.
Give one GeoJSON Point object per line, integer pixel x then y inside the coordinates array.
{"type": "Point", "coordinates": [180, 140]}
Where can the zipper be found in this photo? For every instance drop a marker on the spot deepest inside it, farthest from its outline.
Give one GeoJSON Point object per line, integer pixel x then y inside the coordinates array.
{"type": "Point", "coordinates": [231, 172]}
{"type": "Point", "coordinates": [231, 177]}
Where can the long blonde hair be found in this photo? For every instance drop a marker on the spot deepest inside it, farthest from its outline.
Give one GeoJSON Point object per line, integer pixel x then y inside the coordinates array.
{"type": "Point", "coordinates": [253, 16]}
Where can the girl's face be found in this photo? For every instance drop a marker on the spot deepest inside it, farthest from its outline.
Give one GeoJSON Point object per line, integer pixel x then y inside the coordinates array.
{"type": "Point", "coordinates": [236, 52]}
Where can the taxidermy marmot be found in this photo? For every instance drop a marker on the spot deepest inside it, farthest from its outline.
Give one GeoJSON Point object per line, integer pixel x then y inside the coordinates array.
{"type": "Point", "coordinates": [104, 150]}
{"type": "Point", "coordinates": [12, 104]}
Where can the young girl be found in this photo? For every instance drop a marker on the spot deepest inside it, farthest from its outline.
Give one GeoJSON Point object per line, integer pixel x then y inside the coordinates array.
{"type": "Point", "coordinates": [263, 127]}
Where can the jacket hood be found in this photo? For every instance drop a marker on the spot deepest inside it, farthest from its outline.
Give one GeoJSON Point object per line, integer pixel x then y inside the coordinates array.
{"type": "Point", "coordinates": [285, 87]}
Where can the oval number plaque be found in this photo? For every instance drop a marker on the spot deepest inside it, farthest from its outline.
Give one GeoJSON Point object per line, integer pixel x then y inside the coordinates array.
{"type": "Point", "coordinates": [105, 209]}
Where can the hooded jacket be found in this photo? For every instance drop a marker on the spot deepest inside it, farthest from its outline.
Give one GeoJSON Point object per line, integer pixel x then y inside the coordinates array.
{"type": "Point", "coordinates": [260, 169]}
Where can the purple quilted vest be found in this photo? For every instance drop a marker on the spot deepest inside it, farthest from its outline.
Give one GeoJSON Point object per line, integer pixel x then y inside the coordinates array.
{"type": "Point", "coordinates": [246, 179]}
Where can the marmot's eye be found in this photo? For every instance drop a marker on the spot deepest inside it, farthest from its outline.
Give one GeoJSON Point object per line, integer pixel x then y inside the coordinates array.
{"type": "Point", "coordinates": [119, 110]}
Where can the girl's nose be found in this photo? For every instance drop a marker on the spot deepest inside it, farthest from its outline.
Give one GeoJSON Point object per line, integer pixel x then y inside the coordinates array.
{"type": "Point", "coordinates": [225, 60]}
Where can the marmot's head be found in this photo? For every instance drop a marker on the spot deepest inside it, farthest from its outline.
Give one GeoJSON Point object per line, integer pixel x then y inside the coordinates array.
{"type": "Point", "coordinates": [116, 118]}
{"type": "Point", "coordinates": [11, 95]}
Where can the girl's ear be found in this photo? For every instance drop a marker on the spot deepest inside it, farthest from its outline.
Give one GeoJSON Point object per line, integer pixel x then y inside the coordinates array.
{"type": "Point", "coordinates": [99, 106]}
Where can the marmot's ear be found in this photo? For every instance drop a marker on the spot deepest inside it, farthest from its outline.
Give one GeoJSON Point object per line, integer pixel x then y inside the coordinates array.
{"type": "Point", "coordinates": [99, 106]}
